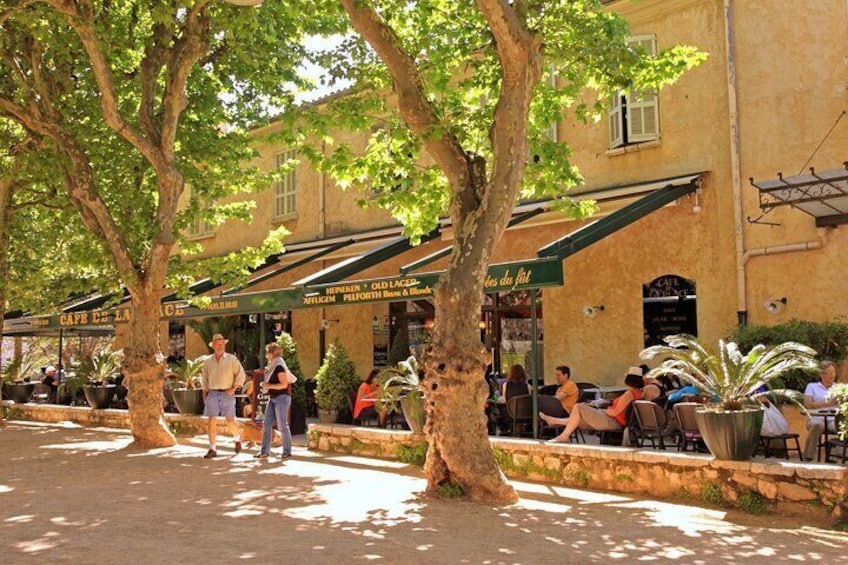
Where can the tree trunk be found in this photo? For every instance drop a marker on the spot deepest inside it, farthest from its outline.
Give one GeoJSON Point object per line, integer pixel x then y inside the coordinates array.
{"type": "Point", "coordinates": [6, 193]}
{"type": "Point", "coordinates": [146, 373]}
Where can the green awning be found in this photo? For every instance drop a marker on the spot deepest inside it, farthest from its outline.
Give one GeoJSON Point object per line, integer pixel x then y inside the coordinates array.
{"type": "Point", "coordinates": [581, 238]}
{"type": "Point", "coordinates": [350, 267]}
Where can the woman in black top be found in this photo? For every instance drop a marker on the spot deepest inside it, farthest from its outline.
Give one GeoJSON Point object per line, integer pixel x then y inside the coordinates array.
{"type": "Point", "coordinates": [276, 384]}
{"type": "Point", "coordinates": [516, 383]}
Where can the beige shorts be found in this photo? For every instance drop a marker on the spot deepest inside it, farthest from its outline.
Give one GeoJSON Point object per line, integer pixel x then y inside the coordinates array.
{"type": "Point", "coordinates": [595, 419]}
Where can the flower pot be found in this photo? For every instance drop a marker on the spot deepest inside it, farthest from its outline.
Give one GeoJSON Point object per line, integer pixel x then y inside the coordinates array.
{"type": "Point", "coordinates": [731, 435]}
{"type": "Point", "coordinates": [99, 396]}
{"type": "Point", "coordinates": [188, 401]}
{"type": "Point", "coordinates": [297, 419]}
{"type": "Point", "coordinates": [326, 416]}
{"type": "Point", "coordinates": [19, 392]}
{"type": "Point", "coordinates": [413, 412]}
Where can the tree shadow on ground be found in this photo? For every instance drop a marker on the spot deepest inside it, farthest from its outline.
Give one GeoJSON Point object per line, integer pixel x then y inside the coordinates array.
{"type": "Point", "coordinates": [84, 495]}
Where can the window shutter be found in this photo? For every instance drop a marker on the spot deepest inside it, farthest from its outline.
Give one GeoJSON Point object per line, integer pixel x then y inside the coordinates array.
{"type": "Point", "coordinates": [616, 118]}
{"type": "Point", "coordinates": [285, 190]}
{"type": "Point", "coordinates": [643, 122]}
{"type": "Point", "coordinates": [554, 133]}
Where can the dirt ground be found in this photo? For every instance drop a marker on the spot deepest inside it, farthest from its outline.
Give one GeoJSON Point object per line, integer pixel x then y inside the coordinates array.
{"type": "Point", "coordinates": [81, 495]}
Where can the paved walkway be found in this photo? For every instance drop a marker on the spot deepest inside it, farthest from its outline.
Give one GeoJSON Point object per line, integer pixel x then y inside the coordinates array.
{"type": "Point", "coordinates": [77, 495]}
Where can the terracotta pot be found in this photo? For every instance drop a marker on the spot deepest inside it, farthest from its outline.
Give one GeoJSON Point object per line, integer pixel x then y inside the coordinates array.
{"type": "Point", "coordinates": [327, 416]}
{"type": "Point", "coordinates": [731, 435]}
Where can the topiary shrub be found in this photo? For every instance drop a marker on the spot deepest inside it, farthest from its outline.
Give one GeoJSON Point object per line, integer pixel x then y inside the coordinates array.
{"type": "Point", "coordinates": [830, 339]}
{"type": "Point", "coordinates": [336, 379]}
{"type": "Point", "coordinates": [289, 348]}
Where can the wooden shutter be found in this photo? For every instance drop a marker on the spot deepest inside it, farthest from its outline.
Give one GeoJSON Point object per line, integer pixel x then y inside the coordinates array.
{"type": "Point", "coordinates": [643, 122]}
{"type": "Point", "coordinates": [616, 121]}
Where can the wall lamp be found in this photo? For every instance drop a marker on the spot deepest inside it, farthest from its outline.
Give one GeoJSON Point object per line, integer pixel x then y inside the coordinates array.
{"type": "Point", "coordinates": [775, 305]}
{"type": "Point", "coordinates": [592, 311]}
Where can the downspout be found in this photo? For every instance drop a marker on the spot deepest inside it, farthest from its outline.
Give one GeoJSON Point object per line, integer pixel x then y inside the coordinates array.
{"type": "Point", "coordinates": [738, 212]}
{"type": "Point", "coordinates": [787, 248]}
{"type": "Point", "coordinates": [322, 218]}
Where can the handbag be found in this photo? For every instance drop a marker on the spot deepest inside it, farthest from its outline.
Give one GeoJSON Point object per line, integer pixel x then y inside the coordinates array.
{"type": "Point", "coordinates": [774, 424]}
{"type": "Point", "coordinates": [290, 377]}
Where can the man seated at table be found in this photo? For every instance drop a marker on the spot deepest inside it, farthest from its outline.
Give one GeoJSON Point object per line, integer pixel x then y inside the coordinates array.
{"type": "Point", "coordinates": [51, 381]}
{"type": "Point", "coordinates": [815, 397]}
{"type": "Point", "coordinates": [567, 393]}
{"type": "Point", "coordinates": [613, 418]}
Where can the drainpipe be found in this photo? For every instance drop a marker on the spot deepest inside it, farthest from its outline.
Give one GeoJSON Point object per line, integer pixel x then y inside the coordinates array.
{"type": "Point", "coordinates": [788, 248]}
{"type": "Point", "coordinates": [738, 212]}
{"type": "Point", "coordinates": [322, 219]}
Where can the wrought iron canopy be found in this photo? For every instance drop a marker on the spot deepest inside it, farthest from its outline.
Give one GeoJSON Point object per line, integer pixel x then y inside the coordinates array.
{"type": "Point", "coordinates": [822, 195]}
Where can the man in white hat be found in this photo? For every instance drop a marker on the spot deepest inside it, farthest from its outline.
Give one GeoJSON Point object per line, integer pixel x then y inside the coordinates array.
{"type": "Point", "coordinates": [222, 375]}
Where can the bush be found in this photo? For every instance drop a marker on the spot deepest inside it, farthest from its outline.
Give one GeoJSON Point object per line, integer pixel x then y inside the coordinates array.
{"type": "Point", "coordinates": [335, 379]}
{"type": "Point", "coordinates": [289, 347]}
{"type": "Point", "coordinates": [830, 339]}
{"type": "Point", "coordinates": [413, 454]}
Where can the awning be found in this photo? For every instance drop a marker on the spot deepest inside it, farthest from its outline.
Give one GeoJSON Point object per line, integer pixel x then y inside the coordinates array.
{"type": "Point", "coordinates": [667, 191]}
{"type": "Point", "coordinates": [350, 267]}
{"type": "Point", "coordinates": [821, 195]}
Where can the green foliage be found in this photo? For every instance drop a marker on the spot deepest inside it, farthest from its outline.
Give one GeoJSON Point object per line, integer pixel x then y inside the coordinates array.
{"type": "Point", "coordinates": [839, 392]}
{"type": "Point", "coordinates": [400, 347]}
{"type": "Point", "coordinates": [450, 490]}
{"type": "Point", "coordinates": [336, 378]}
{"type": "Point", "coordinates": [830, 339]}
{"type": "Point", "coordinates": [730, 377]}
{"type": "Point", "coordinates": [101, 367]}
{"type": "Point", "coordinates": [581, 476]}
{"type": "Point", "coordinates": [26, 366]}
{"type": "Point", "coordinates": [752, 503]}
{"type": "Point", "coordinates": [412, 454]}
{"type": "Point", "coordinates": [290, 356]}
{"type": "Point", "coordinates": [208, 327]}
{"type": "Point", "coordinates": [396, 383]}
{"type": "Point", "coordinates": [711, 494]}
{"type": "Point", "coordinates": [187, 373]}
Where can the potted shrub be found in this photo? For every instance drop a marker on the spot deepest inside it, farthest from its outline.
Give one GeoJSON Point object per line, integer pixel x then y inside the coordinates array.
{"type": "Point", "coordinates": [17, 376]}
{"type": "Point", "coordinates": [98, 373]}
{"type": "Point", "coordinates": [185, 378]}
{"type": "Point", "coordinates": [400, 387]}
{"type": "Point", "coordinates": [297, 415]}
{"type": "Point", "coordinates": [731, 422]}
{"type": "Point", "coordinates": [335, 380]}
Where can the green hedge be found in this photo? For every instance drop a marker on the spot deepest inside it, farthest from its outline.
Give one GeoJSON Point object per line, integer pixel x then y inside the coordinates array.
{"type": "Point", "coordinates": [829, 339]}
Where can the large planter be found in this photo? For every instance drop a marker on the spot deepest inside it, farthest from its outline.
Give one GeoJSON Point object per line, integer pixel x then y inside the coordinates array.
{"type": "Point", "coordinates": [326, 416]}
{"type": "Point", "coordinates": [19, 392]}
{"type": "Point", "coordinates": [99, 396]}
{"type": "Point", "coordinates": [731, 435]}
{"type": "Point", "coordinates": [188, 401]}
{"type": "Point", "coordinates": [297, 419]}
{"type": "Point", "coordinates": [414, 412]}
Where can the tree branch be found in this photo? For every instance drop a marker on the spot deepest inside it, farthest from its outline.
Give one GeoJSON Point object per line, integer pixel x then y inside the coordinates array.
{"type": "Point", "coordinates": [415, 108]}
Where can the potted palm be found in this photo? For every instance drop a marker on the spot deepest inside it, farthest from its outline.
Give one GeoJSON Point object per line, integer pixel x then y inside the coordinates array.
{"type": "Point", "coordinates": [185, 378]}
{"type": "Point", "coordinates": [98, 372]}
{"type": "Point", "coordinates": [335, 380]}
{"type": "Point", "coordinates": [18, 385]}
{"type": "Point", "coordinates": [400, 387]}
{"type": "Point", "coordinates": [731, 422]}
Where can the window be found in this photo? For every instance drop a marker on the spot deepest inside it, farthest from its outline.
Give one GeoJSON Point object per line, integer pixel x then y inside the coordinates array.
{"type": "Point", "coordinates": [634, 116]}
{"type": "Point", "coordinates": [285, 190]}
{"type": "Point", "coordinates": [200, 229]}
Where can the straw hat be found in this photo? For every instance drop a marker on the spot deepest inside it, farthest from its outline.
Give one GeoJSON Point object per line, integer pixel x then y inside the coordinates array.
{"type": "Point", "coordinates": [216, 337]}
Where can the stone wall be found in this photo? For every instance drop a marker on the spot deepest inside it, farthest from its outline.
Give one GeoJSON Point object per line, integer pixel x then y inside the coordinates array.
{"type": "Point", "coordinates": [782, 484]}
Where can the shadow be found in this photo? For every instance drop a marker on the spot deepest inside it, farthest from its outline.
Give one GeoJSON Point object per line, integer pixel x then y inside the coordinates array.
{"type": "Point", "coordinates": [82, 495]}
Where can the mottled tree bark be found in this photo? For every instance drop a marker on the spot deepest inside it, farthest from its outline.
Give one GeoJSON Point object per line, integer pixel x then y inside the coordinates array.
{"type": "Point", "coordinates": [482, 198]}
{"type": "Point", "coordinates": [7, 192]}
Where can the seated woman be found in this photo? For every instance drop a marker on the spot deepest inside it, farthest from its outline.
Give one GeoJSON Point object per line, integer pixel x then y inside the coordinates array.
{"type": "Point", "coordinates": [366, 398]}
{"type": "Point", "coordinates": [516, 383]}
{"type": "Point", "coordinates": [613, 418]}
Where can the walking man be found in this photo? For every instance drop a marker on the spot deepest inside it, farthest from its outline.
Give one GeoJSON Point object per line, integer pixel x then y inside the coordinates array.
{"type": "Point", "coordinates": [222, 375]}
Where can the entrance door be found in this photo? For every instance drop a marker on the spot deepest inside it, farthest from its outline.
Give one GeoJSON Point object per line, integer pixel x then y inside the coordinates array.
{"type": "Point", "coordinates": [669, 307]}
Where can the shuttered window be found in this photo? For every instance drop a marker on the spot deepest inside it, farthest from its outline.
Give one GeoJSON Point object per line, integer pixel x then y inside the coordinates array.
{"type": "Point", "coordinates": [285, 189]}
{"type": "Point", "coordinates": [634, 116]}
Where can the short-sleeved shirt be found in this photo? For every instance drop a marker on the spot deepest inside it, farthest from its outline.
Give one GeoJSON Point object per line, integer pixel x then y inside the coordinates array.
{"type": "Point", "coordinates": [222, 374]}
{"type": "Point", "coordinates": [571, 392]}
{"type": "Point", "coordinates": [816, 391]}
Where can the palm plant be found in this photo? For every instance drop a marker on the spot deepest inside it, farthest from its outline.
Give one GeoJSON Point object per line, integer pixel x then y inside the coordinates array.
{"type": "Point", "coordinates": [396, 383]}
{"type": "Point", "coordinates": [103, 365]}
{"type": "Point", "coordinates": [186, 374]}
{"type": "Point", "coordinates": [26, 365]}
{"type": "Point", "coordinates": [729, 377]}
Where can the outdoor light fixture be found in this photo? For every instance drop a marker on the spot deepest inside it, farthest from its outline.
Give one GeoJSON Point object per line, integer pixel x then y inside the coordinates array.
{"type": "Point", "coordinates": [482, 324]}
{"type": "Point", "coordinates": [592, 311]}
{"type": "Point", "coordinates": [325, 323]}
{"type": "Point", "coordinates": [696, 207]}
{"type": "Point", "coordinates": [775, 305]}
{"type": "Point", "coordinates": [429, 323]}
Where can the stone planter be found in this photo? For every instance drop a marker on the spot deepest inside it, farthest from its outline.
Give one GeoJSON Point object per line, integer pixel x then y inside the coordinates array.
{"type": "Point", "coordinates": [18, 392]}
{"type": "Point", "coordinates": [413, 412]}
{"type": "Point", "coordinates": [731, 435]}
{"type": "Point", "coordinates": [188, 401]}
{"type": "Point", "coordinates": [297, 420]}
{"type": "Point", "coordinates": [327, 416]}
{"type": "Point", "coordinates": [99, 396]}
